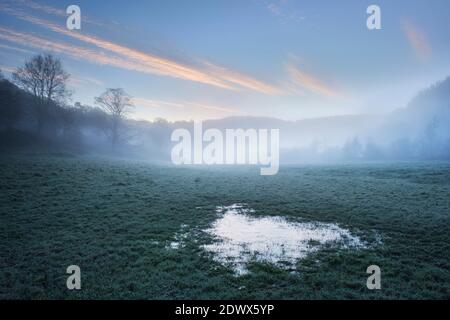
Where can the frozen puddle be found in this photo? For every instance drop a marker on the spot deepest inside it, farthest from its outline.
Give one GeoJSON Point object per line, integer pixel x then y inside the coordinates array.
{"type": "Point", "coordinates": [241, 238]}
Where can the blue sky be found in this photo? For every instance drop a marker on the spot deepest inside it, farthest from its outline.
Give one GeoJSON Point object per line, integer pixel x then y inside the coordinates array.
{"type": "Point", "coordinates": [184, 60]}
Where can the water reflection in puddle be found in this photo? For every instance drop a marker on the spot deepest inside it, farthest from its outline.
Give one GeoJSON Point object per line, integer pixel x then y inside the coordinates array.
{"type": "Point", "coordinates": [241, 238]}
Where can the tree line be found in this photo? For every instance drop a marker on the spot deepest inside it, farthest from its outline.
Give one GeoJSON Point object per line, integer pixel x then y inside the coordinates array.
{"type": "Point", "coordinates": [35, 112]}
{"type": "Point", "coordinates": [37, 96]}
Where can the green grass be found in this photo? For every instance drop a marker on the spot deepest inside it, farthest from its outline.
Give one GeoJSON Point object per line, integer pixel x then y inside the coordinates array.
{"type": "Point", "coordinates": [115, 220]}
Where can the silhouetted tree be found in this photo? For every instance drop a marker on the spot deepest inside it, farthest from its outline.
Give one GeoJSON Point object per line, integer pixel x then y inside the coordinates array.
{"type": "Point", "coordinates": [429, 139]}
{"type": "Point", "coordinates": [67, 117]}
{"type": "Point", "coordinates": [11, 101]}
{"type": "Point", "coordinates": [44, 77]}
{"type": "Point", "coordinates": [353, 150]}
{"type": "Point", "coordinates": [116, 102]}
{"type": "Point", "coordinates": [372, 151]}
{"type": "Point", "coordinates": [402, 148]}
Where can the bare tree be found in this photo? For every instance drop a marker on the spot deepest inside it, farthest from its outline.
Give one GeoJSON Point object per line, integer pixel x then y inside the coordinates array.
{"type": "Point", "coordinates": [44, 77]}
{"type": "Point", "coordinates": [429, 141]}
{"type": "Point", "coordinates": [116, 102]}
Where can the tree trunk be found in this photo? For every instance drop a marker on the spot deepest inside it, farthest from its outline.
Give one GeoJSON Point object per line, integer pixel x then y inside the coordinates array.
{"type": "Point", "coordinates": [115, 133]}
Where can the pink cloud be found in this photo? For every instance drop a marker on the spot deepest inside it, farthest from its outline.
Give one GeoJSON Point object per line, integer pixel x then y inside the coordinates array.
{"type": "Point", "coordinates": [417, 39]}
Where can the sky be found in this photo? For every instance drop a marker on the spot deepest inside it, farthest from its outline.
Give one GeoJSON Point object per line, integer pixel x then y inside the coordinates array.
{"type": "Point", "coordinates": [209, 59]}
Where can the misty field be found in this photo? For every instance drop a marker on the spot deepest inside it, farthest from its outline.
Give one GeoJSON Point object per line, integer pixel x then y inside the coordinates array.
{"type": "Point", "coordinates": [137, 230]}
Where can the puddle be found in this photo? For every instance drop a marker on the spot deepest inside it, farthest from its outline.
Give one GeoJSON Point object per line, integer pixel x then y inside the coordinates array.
{"type": "Point", "coordinates": [241, 238]}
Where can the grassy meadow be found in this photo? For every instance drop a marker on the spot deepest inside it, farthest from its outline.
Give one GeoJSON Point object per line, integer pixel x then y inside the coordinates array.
{"type": "Point", "coordinates": [116, 220]}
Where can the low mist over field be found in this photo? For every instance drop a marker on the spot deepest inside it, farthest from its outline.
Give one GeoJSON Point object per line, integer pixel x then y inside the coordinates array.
{"type": "Point", "coordinates": [418, 131]}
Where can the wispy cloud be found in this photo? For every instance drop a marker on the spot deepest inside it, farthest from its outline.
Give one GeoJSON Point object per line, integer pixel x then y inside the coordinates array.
{"type": "Point", "coordinates": [309, 82]}
{"type": "Point", "coordinates": [274, 9]}
{"type": "Point", "coordinates": [151, 103]}
{"type": "Point", "coordinates": [417, 39]}
{"type": "Point", "coordinates": [211, 107]}
{"type": "Point", "coordinates": [83, 81]}
{"type": "Point", "coordinates": [7, 69]}
{"type": "Point", "coordinates": [282, 9]}
{"type": "Point", "coordinates": [242, 79]}
{"type": "Point", "coordinates": [145, 62]}
{"type": "Point", "coordinates": [55, 11]}
{"type": "Point", "coordinates": [180, 104]}
{"type": "Point", "coordinates": [12, 48]}
{"type": "Point", "coordinates": [148, 63]}
{"type": "Point", "coordinates": [42, 7]}
{"type": "Point", "coordinates": [73, 51]}
{"type": "Point", "coordinates": [82, 53]}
